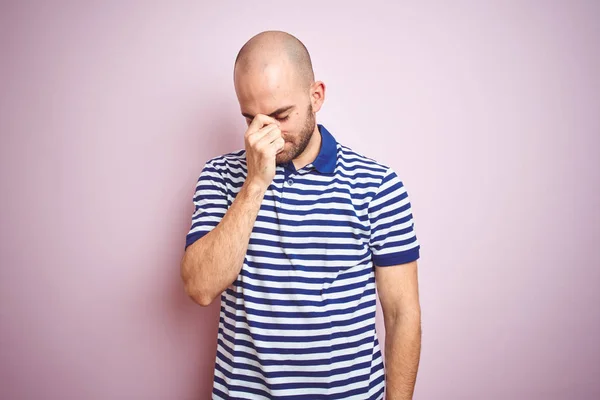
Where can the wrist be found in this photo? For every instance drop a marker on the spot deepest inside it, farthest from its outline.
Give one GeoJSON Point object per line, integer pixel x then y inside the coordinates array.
{"type": "Point", "coordinates": [254, 188]}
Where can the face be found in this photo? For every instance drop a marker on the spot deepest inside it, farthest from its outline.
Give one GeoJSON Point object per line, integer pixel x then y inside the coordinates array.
{"type": "Point", "coordinates": [296, 134]}
{"type": "Point", "coordinates": [275, 91]}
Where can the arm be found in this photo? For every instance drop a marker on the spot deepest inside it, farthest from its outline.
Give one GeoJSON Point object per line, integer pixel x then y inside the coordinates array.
{"type": "Point", "coordinates": [397, 287]}
{"type": "Point", "coordinates": [395, 253]}
{"type": "Point", "coordinates": [213, 262]}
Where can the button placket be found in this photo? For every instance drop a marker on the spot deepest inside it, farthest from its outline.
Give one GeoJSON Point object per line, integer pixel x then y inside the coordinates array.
{"type": "Point", "coordinates": [285, 174]}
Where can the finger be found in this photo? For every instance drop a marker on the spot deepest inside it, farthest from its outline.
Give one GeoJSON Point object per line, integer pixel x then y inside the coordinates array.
{"type": "Point", "coordinates": [278, 144]}
{"type": "Point", "coordinates": [259, 121]}
{"type": "Point", "coordinates": [257, 136]}
{"type": "Point", "coordinates": [270, 136]}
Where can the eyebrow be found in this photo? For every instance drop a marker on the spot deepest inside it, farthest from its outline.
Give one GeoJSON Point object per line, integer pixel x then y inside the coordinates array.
{"type": "Point", "coordinates": [280, 110]}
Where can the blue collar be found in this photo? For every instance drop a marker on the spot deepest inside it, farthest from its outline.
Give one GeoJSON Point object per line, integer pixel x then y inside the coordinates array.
{"type": "Point", "coordinates": [327, 157]}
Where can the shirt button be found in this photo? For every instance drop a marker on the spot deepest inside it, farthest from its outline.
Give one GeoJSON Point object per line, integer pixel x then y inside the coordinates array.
{"type": "Point", "coordinates": [290, 182]}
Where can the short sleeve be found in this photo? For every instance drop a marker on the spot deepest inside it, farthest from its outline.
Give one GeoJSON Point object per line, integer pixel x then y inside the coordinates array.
{"type": "Point", "coordinates": [393, 239]}
{"type": "Point", "coordinates": [210, 203]}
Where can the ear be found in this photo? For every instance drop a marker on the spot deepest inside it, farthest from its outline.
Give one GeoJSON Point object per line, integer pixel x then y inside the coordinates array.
{"type": "Point", "coordinates": [317, 95]}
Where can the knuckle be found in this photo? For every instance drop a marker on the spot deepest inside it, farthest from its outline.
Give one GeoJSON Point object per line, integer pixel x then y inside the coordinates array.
{"type": "Point", "coordinates": [259, 147]}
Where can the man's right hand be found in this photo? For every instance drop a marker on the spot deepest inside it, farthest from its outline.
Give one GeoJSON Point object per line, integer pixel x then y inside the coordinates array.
{"type": "Point", "coordinates": [263, 141]}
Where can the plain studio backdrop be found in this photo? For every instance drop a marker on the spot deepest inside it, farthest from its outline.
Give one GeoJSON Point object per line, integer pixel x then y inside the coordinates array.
{"type": "Point", "coordinates": [488, 111]}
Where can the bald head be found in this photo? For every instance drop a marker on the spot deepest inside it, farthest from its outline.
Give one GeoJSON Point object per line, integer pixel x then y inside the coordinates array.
{"type": "Point", "coordinates": [271, 50]}
{"type": "Point", "coordinates": [273, 76]}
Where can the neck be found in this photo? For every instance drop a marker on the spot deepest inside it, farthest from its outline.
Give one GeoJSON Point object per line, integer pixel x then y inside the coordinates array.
{"type": "Point", "coordinates": [311, 152]}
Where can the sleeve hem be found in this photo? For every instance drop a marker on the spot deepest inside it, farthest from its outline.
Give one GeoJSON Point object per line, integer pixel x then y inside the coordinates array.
{"type": "Point", "coordinates": [388, 260]}
{"type": "Point", "coordinates": [190, 239]}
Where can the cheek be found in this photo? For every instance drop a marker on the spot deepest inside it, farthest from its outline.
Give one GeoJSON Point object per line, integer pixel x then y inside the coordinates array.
{"type": "Point", "coordinates": [291, 127]}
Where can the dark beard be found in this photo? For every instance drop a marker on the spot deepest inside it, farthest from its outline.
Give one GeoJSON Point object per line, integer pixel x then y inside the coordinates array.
{"type": "Point", "coordinates": [304, 138]}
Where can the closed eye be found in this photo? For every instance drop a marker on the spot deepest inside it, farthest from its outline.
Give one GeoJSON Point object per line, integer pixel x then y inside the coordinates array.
{"type": "Point", "coordinates": [283, 119]}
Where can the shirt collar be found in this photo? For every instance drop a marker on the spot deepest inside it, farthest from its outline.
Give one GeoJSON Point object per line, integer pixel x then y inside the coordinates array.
{"type": "Point", "coordinates": [327, 157]}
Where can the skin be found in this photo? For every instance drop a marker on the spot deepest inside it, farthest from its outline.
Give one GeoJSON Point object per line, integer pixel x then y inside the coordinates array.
{"type": "Point", "coordinates": [268, 81]}
{"type": "Point", "coordinates": [279, 99]}
{"type": "Point", "coordinates": [397, 287]}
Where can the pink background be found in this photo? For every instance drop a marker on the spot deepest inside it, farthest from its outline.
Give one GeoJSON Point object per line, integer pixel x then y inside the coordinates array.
{"type": "Point", "coordinates": [490, 114]}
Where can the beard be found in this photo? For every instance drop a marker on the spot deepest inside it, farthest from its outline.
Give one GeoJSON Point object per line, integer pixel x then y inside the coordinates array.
{"type": "Point", "coordinates": [296, 145]}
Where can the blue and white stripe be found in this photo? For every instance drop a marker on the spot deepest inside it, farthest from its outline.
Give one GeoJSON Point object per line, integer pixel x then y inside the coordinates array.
{"type": "Point", "coordinates": [299, 320]}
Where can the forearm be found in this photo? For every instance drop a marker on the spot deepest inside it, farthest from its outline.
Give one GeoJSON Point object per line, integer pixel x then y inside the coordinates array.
{"type": "Point", "coordinates": [402, 354]}
{"type": "Point", "coordinates": [214, 261]}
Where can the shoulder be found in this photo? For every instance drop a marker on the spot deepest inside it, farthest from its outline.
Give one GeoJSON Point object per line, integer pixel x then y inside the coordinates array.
{"type": "Point", "coordinates": [355, 163]}
{"type": "Point", "coordinates": [225, 168]}
{"type": "Point", "coordinates": [229, 161]}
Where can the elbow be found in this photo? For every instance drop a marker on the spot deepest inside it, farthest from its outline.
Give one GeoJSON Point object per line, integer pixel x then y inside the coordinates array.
{"type": "Point", "coordinates": [193, 289]}
{"type": "Point", "coordinates": [202, 300]}
{"type": "Point", "coordinates": [199, 296]}
{"type": "Point", "coordinates": [410, 316]}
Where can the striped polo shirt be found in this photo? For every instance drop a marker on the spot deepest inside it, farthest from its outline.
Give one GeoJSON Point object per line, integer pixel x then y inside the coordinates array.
{"type": "Point", "coordinates": [299, 320]}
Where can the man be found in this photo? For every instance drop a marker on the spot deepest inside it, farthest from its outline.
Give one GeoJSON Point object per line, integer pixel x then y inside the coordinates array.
{"type": "Point", "coordinates": [295, 234]}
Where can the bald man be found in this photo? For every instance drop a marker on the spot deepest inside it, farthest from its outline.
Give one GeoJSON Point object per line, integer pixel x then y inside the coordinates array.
{"type": "Point", "coordinates": [295, 233]}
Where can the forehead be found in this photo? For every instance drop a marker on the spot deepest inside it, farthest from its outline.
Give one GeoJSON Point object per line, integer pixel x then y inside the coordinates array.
{"type": "Point", "coordinates": [265, 88]}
